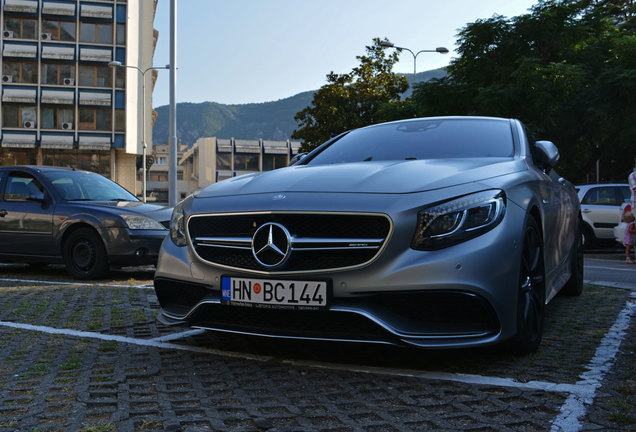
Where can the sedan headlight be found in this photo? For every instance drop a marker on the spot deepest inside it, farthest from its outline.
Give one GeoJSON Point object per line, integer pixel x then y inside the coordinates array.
{"type": "Point", "coordinates": [177, 226]}
{"type": "Point", "coordinates": [138, 222]}
{"type": "Point", "coordinates": [460, 219]}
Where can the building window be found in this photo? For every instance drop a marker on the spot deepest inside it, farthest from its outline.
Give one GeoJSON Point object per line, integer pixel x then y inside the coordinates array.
{"type": "Point", "coordinates": [94, 161]}
{"type": "Point", "coordinates": [120, 120]}
{"type": "Point", "coordinates": [59, 30]}
{"type": "Point", "coordinates": [95, 76]}
{"type": "Point", "coordinates": [57, 73]}
{"type": "Point", "coordinates": [57, 118]}
{"type": "Point", "coordinates": [179, 176]}
{"type": "Point", "coordinates": [18, 116]}
{"type": "Point", "coordinates": [21, 71]}
{"type": "Point", "coordinates": [121, 34]}
{"type": "Point", "coordinates": [17, 157]}
{"type": "Point", "coordinates": [22, 28]}
{"type": "Point", "coordinates": [120, 77]}
{"type": "Point", "coordinates": [246, 162]}
{"type": "Point", "coordinates": [95, 119]}
{"type": "Point", "coordinates": [161, 160]}
{"type": "Point", "coordinates": [96, 33]}
{"type": "Point", "coordinates": [223, 161]}
{"type": "Point", "coordinates": [273, 161]}
{"type": "Point", "coordinates": [157, 177]}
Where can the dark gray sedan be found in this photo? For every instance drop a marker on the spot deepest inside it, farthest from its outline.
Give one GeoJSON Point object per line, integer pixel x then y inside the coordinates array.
{"type": "Point", "coordinates": [50, 215]}
{"type": "Point", "coordinates": [433, 232]}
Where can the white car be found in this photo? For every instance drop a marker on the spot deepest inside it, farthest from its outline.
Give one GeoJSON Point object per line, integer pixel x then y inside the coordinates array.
{"type": "Point", "coordinates": [600, 209]}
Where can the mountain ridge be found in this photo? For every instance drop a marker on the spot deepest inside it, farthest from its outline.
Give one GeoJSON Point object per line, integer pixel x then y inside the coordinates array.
{"type": "Point", "coordinates": [265, 120]}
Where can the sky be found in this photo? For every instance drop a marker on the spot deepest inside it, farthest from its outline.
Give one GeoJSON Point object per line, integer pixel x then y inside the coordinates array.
{"type": "Point", "coordinates": [250, 51]}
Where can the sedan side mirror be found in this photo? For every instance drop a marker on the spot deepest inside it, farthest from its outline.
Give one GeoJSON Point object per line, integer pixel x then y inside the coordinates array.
{"type": "Point", "coordinates": [36, 196]}
{"type": "Point", "coordinates": [547, 155]}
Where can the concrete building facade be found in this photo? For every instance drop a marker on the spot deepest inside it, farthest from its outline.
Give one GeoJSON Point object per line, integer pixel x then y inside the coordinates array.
{"type": "Point", "coordinates": [61, 104]}
{"type": "Point", "coordinates": [212, 159]}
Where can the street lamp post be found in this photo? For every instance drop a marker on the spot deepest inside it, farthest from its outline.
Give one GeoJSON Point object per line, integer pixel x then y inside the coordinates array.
{"type": "Point", "coordinates": [115, 64]}
{"type": "Point", "coordinates": [441, 50]}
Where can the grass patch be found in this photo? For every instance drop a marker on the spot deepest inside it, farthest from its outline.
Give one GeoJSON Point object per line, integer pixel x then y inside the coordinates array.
{"type": "Point", "coordinates": [108, 346]}
{"type": "Point", "coordinates": [99, 427]}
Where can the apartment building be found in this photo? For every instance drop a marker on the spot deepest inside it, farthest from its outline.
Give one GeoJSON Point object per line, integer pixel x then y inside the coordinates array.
{"type": "Point", "coordinates": [61, 103]}
{"type": "Point", "coordinates": [212, 159]}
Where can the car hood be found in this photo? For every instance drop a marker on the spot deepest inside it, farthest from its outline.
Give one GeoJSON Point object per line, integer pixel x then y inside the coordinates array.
{"type": "Point", "coordinates": [366, 177]}
{"type": "Point", "coordinates": [156, 212]}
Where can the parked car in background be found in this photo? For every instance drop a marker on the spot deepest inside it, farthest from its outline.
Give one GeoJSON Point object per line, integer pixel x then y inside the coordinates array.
{"type": "Point", "coordinates": [86, 221]}
{"type": "Point", "coordinates": [600, 209]}
{"type": "Point", "coordinates": [433, 232]}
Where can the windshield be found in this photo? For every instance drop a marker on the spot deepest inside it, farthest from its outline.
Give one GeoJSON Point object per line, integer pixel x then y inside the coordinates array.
{"type": "Point", "coordinates": [422, 139]}
{"type": "Point", "coordinates": [85, 186]}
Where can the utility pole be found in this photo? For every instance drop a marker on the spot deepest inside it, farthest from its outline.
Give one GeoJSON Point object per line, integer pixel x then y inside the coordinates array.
{"type": "Point", "coordinates": [172, 141]}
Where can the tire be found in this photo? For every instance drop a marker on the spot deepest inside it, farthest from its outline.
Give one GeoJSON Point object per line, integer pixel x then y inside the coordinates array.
{"type": "Point", "coordinates": [587, 235]}
{"type": "Point", "coordinates": [574, 286]}
{"type": "Point", "coordinates": [530, 292]}
{"type": "Point", "coordinates": [84, 255]}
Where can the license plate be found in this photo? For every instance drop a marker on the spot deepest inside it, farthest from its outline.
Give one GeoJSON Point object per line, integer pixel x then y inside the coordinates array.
{"type": "Point", "coordinates": [268, 293]}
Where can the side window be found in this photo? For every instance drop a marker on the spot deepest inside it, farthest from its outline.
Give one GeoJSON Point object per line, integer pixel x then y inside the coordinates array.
{"type": "Point", "coordinates": [21, 187]}
{"type": "Point", "coordinates": [600, 196]}
{"type": "Point", "coordinates": [531, 141]}
{"type": "Point", "coordinates": [624, 195]}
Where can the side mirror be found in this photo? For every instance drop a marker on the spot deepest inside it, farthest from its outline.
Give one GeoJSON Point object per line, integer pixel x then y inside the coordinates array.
{"type": "Point", "coordinates": [547, 154]}
{"type": "Point", "coordinates": [37, 196]}
{"type": "Point", "coordinates": [297, 158]}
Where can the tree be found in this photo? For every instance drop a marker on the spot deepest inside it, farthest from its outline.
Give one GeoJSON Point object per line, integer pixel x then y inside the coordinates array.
{"type": "Point", "coordinates": [567, 69]}
{"type": "Point", "coordinates": [351, 100]}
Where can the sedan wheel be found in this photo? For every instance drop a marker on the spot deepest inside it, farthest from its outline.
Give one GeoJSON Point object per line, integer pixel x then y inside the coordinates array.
{"type": "Point", "coordinates": [531, 292]}
{"type": "Point", "coordinates": [587, 236]}
{"type": "Point", "coordinates": [574, 286]}
{"type": "Point", "coordinates": [85, 255]}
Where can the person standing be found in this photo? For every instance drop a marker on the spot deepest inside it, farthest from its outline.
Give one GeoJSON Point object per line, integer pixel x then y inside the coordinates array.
{"type": "Point", "coordinates": [629, 240]}
{"type": "Point", "coordinates": [632, 187]}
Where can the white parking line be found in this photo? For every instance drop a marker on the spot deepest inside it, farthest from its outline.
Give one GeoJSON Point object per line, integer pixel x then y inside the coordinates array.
{"type": "Point", "coordinates": [94, 284]}
{"type": "Point", "coordinates": [575, 406]}
{"type": "Point", "coordinates": [628, 269]}
{"type": "Point", "coordinates": [181, 335]}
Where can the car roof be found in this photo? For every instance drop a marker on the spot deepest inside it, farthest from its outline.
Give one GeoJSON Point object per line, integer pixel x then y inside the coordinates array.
{"type": "Point", "coordinates": [41, 168]}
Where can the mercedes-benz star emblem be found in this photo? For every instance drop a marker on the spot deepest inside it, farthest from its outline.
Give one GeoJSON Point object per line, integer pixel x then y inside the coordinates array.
{"type": "Point", "coordinates": [271, 244]}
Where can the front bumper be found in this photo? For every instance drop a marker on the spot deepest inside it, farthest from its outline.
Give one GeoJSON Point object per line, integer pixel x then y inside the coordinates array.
{"type": "Point", "coordinates": [423, 318]}
{"type": "Point", "coordinates": [134, 247]}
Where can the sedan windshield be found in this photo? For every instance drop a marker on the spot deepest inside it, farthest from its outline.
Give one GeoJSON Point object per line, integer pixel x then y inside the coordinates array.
{"type": "Point", "coordinates": [421, 139]}
{"type": "Point", "coordinates": [85, 186]}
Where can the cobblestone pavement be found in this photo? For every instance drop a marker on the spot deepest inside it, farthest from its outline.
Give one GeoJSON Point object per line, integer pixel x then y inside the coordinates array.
{"type": "Point", "coordinates": [92, 357]}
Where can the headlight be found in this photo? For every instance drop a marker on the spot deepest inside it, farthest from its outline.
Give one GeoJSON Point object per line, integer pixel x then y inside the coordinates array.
{"type": "Point", "coordinates": [137, 222]}
{"type": "Point", "coordinates": [177, 226]}
{"type": "Point", "coordinates": [459, 219]}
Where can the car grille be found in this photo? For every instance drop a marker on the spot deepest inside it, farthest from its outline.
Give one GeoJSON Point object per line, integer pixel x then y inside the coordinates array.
{"type": "Point", "coordinates": [319, 241]}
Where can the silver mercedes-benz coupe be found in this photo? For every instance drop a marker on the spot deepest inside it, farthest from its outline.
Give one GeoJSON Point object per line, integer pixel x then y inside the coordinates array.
{"type": "Point", "coordinates": [433, 232]}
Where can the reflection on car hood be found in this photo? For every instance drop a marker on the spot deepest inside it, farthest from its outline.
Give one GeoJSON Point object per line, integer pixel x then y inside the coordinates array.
{"type": "Point", "coordinates": [156, 212]}
{"type": "Point", "coordinates": [366, 177]}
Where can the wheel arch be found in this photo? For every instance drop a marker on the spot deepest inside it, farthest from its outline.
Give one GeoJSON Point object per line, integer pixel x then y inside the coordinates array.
{"type": "Point", "coordinates": [72, 227]}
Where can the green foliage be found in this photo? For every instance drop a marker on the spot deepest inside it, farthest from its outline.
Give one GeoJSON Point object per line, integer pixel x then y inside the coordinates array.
{"type": "Point", "coordinates": [351, 100]}
{"type": "Point", "coordinates": [567, 69]}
